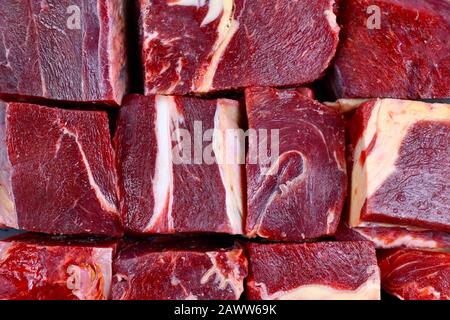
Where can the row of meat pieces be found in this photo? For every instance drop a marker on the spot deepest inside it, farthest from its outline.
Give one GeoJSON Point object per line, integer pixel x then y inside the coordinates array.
{"type": "Point", "coordinates": [32, 267]}
{"type": "Point", "coordinates": [167, 174]}
{"type": "Point", "coordinates": [78, 51]}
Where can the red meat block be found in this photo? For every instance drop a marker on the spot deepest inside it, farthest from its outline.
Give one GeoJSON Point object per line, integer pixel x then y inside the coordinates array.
{"type": "Point", "coordinates": [71, 50]}
{"type": "Point", "coordinates": [34, 268]}
{"type": "Point", "coordinates": [212, 45]}
{"type": "Point", "coordinates": [298, 191]}
{"type": "Point", "coordinates": [175, 269]}
{"type": "Point", "coordinates": [415, 274]}
{"type": "Point", "coordinates": [313, 271]}
{"type": "Point", "coordinates": [401, 165]}
{"type": "Point", "coordinates": [393, 49]}
{"type": "Point", "coordinates": [175, 177]}
{"type": "Point", "coordinates": [57, 172]}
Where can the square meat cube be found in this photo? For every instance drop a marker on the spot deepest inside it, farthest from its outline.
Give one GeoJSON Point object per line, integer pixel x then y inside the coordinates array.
{"type": "Point", "coordinates": [179, 269]}
{"type": "Point", "coordinates": [393, 49]}
{"type": "Point", "coordinates": [70, 50]}
{"type": "Point", "coordinates": [213, 45]}
{"type": "Point", "coordinates": [179, 165]}
{"type": "Point", "coordinates": [313, 271]}
{"type": "Point", "coordinates": [36, 268]}
{"type": "Point", "coordinates": [296, 170]}
{"type": "Point", "coordinates": [57, 172]}
{"type": "Point", "coordinates": [401, 165]}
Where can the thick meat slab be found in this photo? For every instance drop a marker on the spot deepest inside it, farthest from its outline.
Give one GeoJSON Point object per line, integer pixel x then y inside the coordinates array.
{"type": "Point", "coordinates": [60, 269]}
{"type": "Point", "coordinates": [313, 271]}
{"type": "Point", "coordinates": [211, 45]}
{"type": "Point", "coordinates": [300, 192]}
{"type": "Point", "coordinates": [401, 165]}
{"type": "Point", "coordinates": [63, 50]}
{"type": "Point", "coordinates": [416, 275]}
{"type": "Point", "coordinates": [393, 49]}
{"type": "Point", "coordinates": [175, 269]}
{"type": "Point", "coordinates": [57, 172]}
{"type": "Point", "coordinates": [177, 177]}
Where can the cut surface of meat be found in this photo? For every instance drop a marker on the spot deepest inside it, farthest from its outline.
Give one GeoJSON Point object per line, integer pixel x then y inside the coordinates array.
{"type": "Point", "coordinates": [389, 237]}
{"type": "Point", "coordinates": [403, 43]}
{"type": "Point", "coordinates": [57, 172]}
{"type": "Point", "coordinates": [315, 271]}
{"type": "Point", "coordinates": [213, 45]}
{"type": "Point", "coordinates": [416, 274]}
{"type": "Point", "coordinates": [179, 165]}
{"type": "Point", "coordinates": [38, 269]}
{"type": "Point", "coordinates": [63, 50]}
{"type": "Point", "coordinates": [174, 270]}
{"type": "Point", "coordinates": [401, 165]}
{"type": "Point", "coordinates": [297, 191]}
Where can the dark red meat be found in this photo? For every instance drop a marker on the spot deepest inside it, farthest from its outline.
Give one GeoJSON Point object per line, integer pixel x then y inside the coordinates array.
{"type": "Point", "coordinates": [406, 58]}
{"type": "Point", "coordinates": [416, 275]}
{"type": "Point", "coordinates": [185, 270]}
{"type": "Point", "coordinates": [41, 57]}
{"type": "Point", "coordinates": [211, 45]}
{"type": "Point", "coordinates": [301, 194]}
{"type": "Point", "coordinates": [327, 270]}
{"type": "Point", "coordinates": [37, 269]}
{"type": "Point", "coordinates": [57, 171]}
{"type": "Point", "coordinates": [161, 194]}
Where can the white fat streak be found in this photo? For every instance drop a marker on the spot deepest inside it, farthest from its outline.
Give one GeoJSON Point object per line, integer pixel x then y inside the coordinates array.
{"type": "Point", "coordinates": [233, 280]}
{"type": "Point", "coordinates": [228, 26]}
{"type": "Point", "coordinates": [330, 219]}
{"type": "Point", "coordinates": [103, 259]}
{"type": "Point", "coordinates": [83, 279]}
{"type": "Point", "coordinates": [369, 290]}
{"type": "Point", "coordinates": [104, 202]}
{"type": "Point", "coordinates": [4, 250]}
{"type": "Point", "coordinates": [346, 105]}
{"type": "Point", "coordinates": [228, 150]}
{"type": "Point", "coordinates": [407, 240]}
{"type": "Point", "coordinates": [331, 17]}
{"type": "Point", "coordinates": [391, 121]}
{"type": "Point", "coordinates": [187, 3]}
{"type": "Point", "coordinates": [166, 116]}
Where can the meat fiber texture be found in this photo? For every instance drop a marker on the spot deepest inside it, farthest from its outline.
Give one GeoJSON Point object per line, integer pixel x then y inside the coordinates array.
{"type": "Point", "coordinates": [298, 192]}
{"type": "Point", "coordinates": [393, 49]}
{"type": "Point", "coordinates": [415, 274]}
{"type": "Point", "coordinates": [164, 269]}
{"type": "Point", "coordinates": [57, 172]}
{"type": "Point", "coordinates": [63, 50]}
{"type": "Point", "coordinates": [401, 170]}
{"type": "Point", "coordinates": [35, 268]}
{"type": "Point", "coordinates": [313, 271]}
{"type": "Point", "coordinates": [215, 45]}
{"type": "Point", "coordinates": [168, 185]}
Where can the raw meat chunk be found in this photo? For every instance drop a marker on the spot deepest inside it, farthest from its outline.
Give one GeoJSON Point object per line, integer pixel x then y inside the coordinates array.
{"type": "Point", "coordinates": [63, 50]}
{"type": "Point", "coordinates": [416, 275]}
{"type": "Point", "coordinates": [175, 269]}
{"type": "Point", "coordinates": [393, 49]}
{"type": "Point", "coordinates": [313, 271]}
{"type": "Point", "coordinates": [34, 268]}
{"type": "Point", "coordinates": [175, 176]}
{"type": "Point", "coordinates": [57, 172]}
{"type": "Point", "coordinates": [401, 165]}
{"type": "Point", "coordinates": [211, 45]}
{"type": "Point", "coordinates": [296, 192]}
